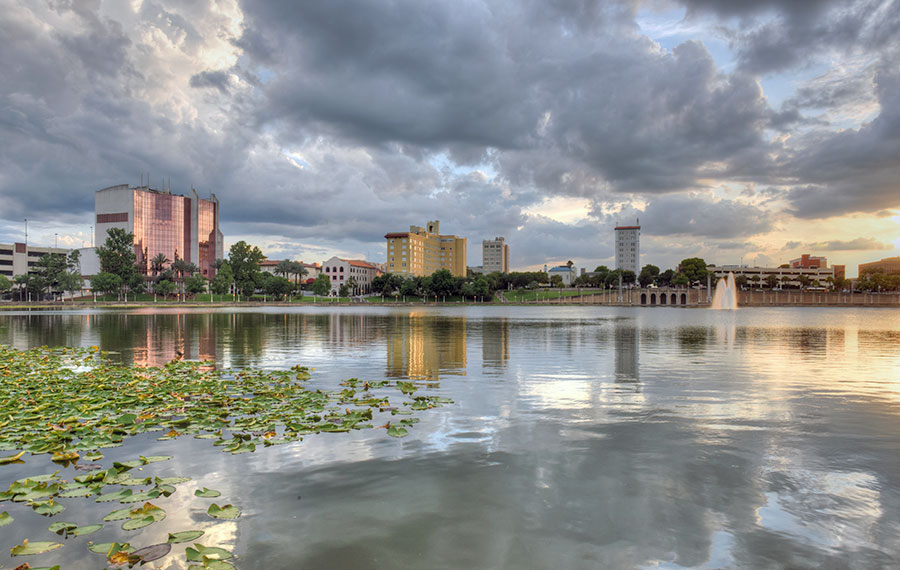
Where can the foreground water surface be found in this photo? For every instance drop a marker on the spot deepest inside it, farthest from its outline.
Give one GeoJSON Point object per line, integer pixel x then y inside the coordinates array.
{"type": "Point", "coordinates": [580, 437]}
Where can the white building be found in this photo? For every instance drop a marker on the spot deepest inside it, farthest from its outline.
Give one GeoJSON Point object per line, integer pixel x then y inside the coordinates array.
{"type": "Point", "coordinates": [628, 248]}
{"type": "Point", "coordinates": [566, 273]}
{"type": "Point", "coordinates": [341, 270]}
{"type": "Point", "coordinates": [789, 276]}
{"type": "Point", "coordinates": [18, 258]}
{"type": "Point", "coordinates": [494, 256]}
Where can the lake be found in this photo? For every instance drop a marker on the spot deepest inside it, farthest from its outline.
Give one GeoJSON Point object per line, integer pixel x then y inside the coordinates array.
{"type": "Point", "coordinates": [579, 437]}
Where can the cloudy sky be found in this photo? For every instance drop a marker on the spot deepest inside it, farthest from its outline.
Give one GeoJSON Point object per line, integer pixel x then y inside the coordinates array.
{"type": "Point", "coordinates": [749, 130]}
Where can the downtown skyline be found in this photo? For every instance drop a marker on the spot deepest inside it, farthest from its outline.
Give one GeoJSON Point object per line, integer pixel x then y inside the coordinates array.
{"type": "Point", "coordinates": [736, 131]}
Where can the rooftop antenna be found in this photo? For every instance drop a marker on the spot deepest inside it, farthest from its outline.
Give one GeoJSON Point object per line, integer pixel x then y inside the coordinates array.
{"type": "Point", "coordinates": [142, 179]}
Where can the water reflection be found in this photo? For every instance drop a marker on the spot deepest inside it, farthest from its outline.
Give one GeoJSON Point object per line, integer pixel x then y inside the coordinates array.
{"type": "Point", "coordinates": [582, 438]}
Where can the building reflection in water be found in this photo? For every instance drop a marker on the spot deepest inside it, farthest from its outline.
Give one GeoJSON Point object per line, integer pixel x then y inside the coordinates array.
{"type": "Point", "coordinates": [495, 344]}
{"type": "Point", "coordinates": [422, 347]}
{"type": "Point", "coordinates": [627, 356]}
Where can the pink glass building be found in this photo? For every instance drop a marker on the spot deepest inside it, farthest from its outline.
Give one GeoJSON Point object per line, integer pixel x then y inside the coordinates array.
{"type": "Point", "coordinates": [186, 227]}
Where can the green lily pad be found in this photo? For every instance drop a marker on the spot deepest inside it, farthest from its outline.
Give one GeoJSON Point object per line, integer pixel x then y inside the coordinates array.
{"type": "Point", "coordinates": [215, 565]}
{"type": "Point", "coordinates": [48, 508]}
{"type": "Point", "coordinates": [62, 527]}
{"type": "Point", "coordinates": [110, 548]}
{"type": "Point", "coordinates": [395, 431]}
{"type": "Point", "coordinates": [114, 496]}
{"type": "Point", "coordinates": [185, 536]}
{"type": "Point", "coordinates": [134, 524]}
{"type": "Point", "coordinates": [141, 497]}
{"type": "Point", "coordinates": [155, 458]}
{"type": "Point", "coordinates": [171, 480]}
{"type": "Point", "coordinates": [227, 512]}
{"type": "Point", "coordinates": [29, 548]}
{"type": "Point", "coordinates": [118, 515]}
{"type": "Point", "coordinates": [5, 518]}
{"type": "Point", "coordinates": [200, 553]}
{"type": "Point", "coordinates": [85, 530]}
{"type": "Point", "coordinates": [207, 493]}
{"type": "Point", "coordinates": [11, 458]}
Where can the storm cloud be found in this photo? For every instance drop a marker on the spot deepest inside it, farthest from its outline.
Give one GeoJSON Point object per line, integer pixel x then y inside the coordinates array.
{"type": "Point", "coordinates": [327, 124]}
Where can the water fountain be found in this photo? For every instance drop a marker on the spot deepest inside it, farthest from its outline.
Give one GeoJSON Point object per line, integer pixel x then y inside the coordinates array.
{"type": "Point", "coordinates": [725, 296]}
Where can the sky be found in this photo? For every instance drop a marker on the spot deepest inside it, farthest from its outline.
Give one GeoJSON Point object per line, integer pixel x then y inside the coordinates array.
{"type": "Point", "coordinates": [739, 131]}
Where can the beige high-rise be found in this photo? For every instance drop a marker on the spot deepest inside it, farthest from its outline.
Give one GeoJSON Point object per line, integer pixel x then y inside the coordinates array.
{"type": "Point", "coordinates": [422, 251]}
{"type": "Point", "coordinates": [495, 256]}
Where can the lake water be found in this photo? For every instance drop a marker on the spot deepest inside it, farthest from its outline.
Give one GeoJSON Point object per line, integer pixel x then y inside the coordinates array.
{"type": "Point", "coordinates": [580, 437]}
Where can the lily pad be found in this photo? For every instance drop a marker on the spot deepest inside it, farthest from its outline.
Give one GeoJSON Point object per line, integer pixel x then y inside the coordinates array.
{"type": "Point", "coordinates": [62, 528]}
{"type": "Point", "coordinates": [110, 548]}
{"type": "Point", "coordinates": [134, 524]}
{"type": "Point", "coordinates": [118, 515]}
{"type": "Point", "coordinates": [48, 508]}
{"type": "Point", "coordinates": [151, 553]}
{"type": "Point", "coordinates": [30, 548]}
{"type": "Point", "coordinates": [5, 518]}
{"type": "Point", "coordinates": [155, 458]}
{"type": "Point", "coordinates": [11, 458]}
{"type": "Point", "coordinates": [396, 431]}
{"type": "Point", "coordinates": [227, 512]}
{"type": "Point", "coordinates": [85, 530]}
{"type": "Point", "coordinates": [207, 493]}
{"type": "Point", "coordinates": [114, 496]}
{"type": "Point", "coordinates": [185, 536]}
{"type": "Point", "coordinates": [200, 553]}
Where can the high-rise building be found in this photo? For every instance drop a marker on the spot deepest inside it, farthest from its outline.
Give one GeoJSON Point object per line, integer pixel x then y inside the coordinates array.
{"type": "Point", "coordinates": [628, 248]}
{"type": "Point", "coordinates": [186, 227]}
{"type": "Point", "coordinates": [422, 251]}
{"type": "Point", "coordinates": [494, 256]}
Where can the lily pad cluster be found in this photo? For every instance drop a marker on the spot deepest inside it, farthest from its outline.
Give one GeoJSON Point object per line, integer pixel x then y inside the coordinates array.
{"type": "Point", "coordinates": [70, 404]}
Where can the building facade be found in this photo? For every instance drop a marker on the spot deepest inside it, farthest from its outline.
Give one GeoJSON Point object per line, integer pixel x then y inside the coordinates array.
{"type": "Point", "coordinates": [628, 248]}
{"type": "Point", "coordinates": [18, 258]}
{"type": "Point", "coordinates": [312, 270]}
{"type": "Point", "coordinates": [186, 227]}
{"type": "Point", "coordinates": [341, 270]}
{"type": "Point", "coordinates": [888, 265]}
{"type": "Point", "coordinates": [786, 275]}
{"type": "Point", "coordinates": [422, 251]}
{"type": "Point", "coordinates": [566, 273]}
{"type": "Point", "coordinates": [807, 261]}
{"type": "Point", "coordinates": [494, 256]}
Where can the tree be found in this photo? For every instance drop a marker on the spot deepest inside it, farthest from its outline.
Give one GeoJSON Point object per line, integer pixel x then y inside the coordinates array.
{"type": "Point", "coordinates": [244, 260]}
{"type": "Point", "coordinates": [442, 282]}
{"type": "Point", "coordinates": [158, 263]}
{"type": "Point", "coordinates": [694, 268]}
{"type": "Point", "coordinates": [5, 284]}
{"type": "Point", "coordinates": [785, 281]}
{"type": "Point", "coordinates": [298, 271]}
{"type": "Point", "coordinates": [165, 288]}
{"type": "Point", "coordinates": [70, 281]}
{"type": "Point", "coordinates": [680, 280]}
{"type": "Point", "coordinates": [117, 254]}
{"type": "Point", "coordinates": [665, 278]}
{"type": "Point", "coordinates": [628, 276]}
{"type": "Point", "coordinates": [278, 287]}
{"type": "Point", "coordinates": [648, 275]}
{"type": "Point", "coordinates": [322, 285]}
{"type": "Point", "coordinates": [481, 288]}
{"type": "Point", "coordinates": [195, 284]}
{"type": "Point", "coordinates": [556, 281]}
{"type": "Point", "coordinates": [343, 290]}
{"type": "Point", "coordinates": [352, 285]}
{"type": "Point", "coordinates": [107, 282]}
{"type": "Point", "coordinates": [771, 280]}
{"type": "Point", "coordinates": [409, 287]}
{"type": "Point", "coordinates": [740, 281]}
{"type": "Point", "coordinates": [221, 283]}
{"type": "Point", "coordinates": [804, 281]}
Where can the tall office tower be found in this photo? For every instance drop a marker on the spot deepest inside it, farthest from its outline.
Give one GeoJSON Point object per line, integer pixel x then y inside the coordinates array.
{"type": "Point", "coordinates": [162, 222]}
{"type": "Point", "coordinates": [628, 248]}
{"type": "Point", "coordinates": [422, 251]}
{"type": "Point", "coordinates": [495, 256]}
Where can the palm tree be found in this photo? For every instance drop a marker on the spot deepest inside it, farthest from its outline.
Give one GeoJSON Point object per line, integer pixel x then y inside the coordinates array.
{"type": "Point", "coordinates": [298, 271]}
{"type": "Point", "coordinates": [352, 284]}
{"type": "Point", "coordinates": [158, 263]}
{"type": "Point", "coordinates": [284, 267]}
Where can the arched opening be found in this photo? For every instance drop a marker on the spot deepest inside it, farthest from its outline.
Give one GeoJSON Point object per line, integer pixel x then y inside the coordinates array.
{"type": "Point", "coordinates": [674, 298]}
{"type": "Point", "coordinates": [684, 298]}
{"type": "Point", "coordinates": [643, 298]}
{"type": "Point", "coordinates": [652, 298]}
{"type": "Point", "coordinates": [662, 298]}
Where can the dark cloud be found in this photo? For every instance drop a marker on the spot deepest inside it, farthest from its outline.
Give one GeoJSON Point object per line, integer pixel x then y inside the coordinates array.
{"type": "Point", "coordinates": [331, 123]}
